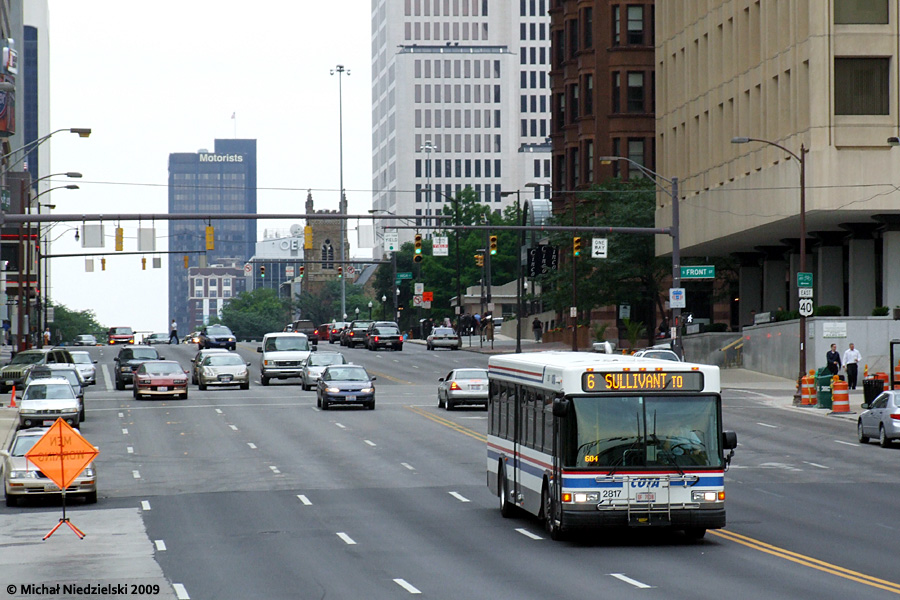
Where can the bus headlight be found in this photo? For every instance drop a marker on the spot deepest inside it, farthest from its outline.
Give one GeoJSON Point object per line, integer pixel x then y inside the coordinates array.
{"type": "Point", "coordinates": [701, 496]}
{"type": "Point", "coordinates": [593, 497]}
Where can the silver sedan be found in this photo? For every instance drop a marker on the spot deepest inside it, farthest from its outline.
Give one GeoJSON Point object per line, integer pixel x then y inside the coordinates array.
{"type": "Point", "coordinates": [316, 363]}
{"type": "Point", "coordinates": [463, 386]}
{"type": "Point", "coordinates": [224, 368]}
{"type": "Point", "coordinates": [881, 419]}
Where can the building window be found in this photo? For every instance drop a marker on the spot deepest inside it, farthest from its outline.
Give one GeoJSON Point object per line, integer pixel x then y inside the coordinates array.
{"type": "Point", "coordinates": [635, 92]}
{"type": "Point", "coordinates": [588, 94]}
{"type": "Point", "coordinates": [617, 151]}
{"type": "Point", "coordinates": [572, 36]}
{"type": "Point", "coordinates": [587, 24]}
{"type": "Point", "coordinates": [861, 86]}
{"type": "Point", "coordinates": [853, 12]}
{"type": "Point", "coordinates": [635, 25]}
{"type": "Point", "coordinates": [616, 92]}
{"type": "Point", "coordinates": [636, 153]}
{"type": "Point", "coordinates": [617, 25]}
{"type": "Point", "coordinates": [589, 161]}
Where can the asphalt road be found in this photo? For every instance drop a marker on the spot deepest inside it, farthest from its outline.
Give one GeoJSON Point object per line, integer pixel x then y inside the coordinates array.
{"type": "Point", "coordinates": [259, 494]}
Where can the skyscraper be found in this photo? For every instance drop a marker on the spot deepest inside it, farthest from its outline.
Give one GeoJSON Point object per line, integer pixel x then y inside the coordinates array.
{"type": "Point", "coordinates": [206, 183]}
{"type": "Point", "coordinates": [460, 93]}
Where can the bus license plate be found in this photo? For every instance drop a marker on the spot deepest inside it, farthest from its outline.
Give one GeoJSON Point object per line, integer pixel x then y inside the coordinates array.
{"type": "Point", "coordinates": [646, 497]}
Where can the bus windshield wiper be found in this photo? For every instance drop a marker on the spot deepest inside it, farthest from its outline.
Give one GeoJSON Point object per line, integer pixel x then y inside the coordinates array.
{"type": "Point", "coordinates": [638, 440]}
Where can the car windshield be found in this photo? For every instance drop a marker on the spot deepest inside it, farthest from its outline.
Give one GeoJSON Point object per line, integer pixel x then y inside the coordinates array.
{"type": "Point", "coordinates": [51, 391]}
{"type": "Point", "coordinates": [27, 358]}
{"type": "Point", "coordinates": [348, 374]}
{"type": "Point", "coordinates": [67, 374]}
{"type": "Point", "coordinates": [217, 330]}
{"type": "Point", "coordinates": [321, 359]}
{"type": "Point", "coordinates": [222, 360]}
{"type": "Point", "coordinates": [442, 331]}
{"type": "Point", "coordinates": [81, 358]}
{"type": "Point", "coordinates": [471, 374]}
{"type": "Point", "coordinates": [161, 368]}
{"type": "Point", "coordinates": [286, 342]}
{"type": "Point", "coordinates": [143, 353]}
{"type": "Point", "coordinates": [23, 444]}
{"type": "Point", "coordinates": [121, 331]}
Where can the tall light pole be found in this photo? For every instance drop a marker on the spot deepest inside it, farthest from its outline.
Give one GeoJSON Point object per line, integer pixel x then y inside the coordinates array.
{"type": "Point", "coordinates": [801, 159]}
{"type": "Point", "coordinates": [340, 70]}
{"type": "Point", "coordinates": [32, 145]}
{"type": "Point", "coordinates": [521, 217]}
{"type": "Point", "coordinates": [427, 147]}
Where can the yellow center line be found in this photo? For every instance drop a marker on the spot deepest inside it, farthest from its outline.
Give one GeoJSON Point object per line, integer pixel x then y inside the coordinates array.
{"type": "Point", "coordinates": [448, 423]}
{"type": "Point", "coordinates": [389, 378]}
{"type": "Point", "coordinates": [808, 561]}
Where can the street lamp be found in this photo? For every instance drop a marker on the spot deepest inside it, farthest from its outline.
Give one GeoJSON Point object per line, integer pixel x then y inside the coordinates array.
{"type": "Point", "coordinates": [673, 231]}
{"type": "Point", "coordinates": [383, 307]}
{"type": "Point", "coordinates": [80, 131]}
{"type": "Point", "coordinates": [357, 313]}
{"type": "Point", "coordinates": [427, 147]}
{"type": "Point", "coordinates": [340, 70]}
{"type": "Point", "coordinates": [801, 158]}
{"type": "Point", "coordinates": [370, 310]}
{"type": "Point", "coordinates": [521, 216]}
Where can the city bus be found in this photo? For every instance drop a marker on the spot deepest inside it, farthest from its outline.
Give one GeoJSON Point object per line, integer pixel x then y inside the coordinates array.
{"type": "Point", "coordinates": [586, 440]}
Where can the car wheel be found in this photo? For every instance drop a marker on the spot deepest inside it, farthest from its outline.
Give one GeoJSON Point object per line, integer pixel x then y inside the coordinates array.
{"type": "Point", "coordinates": [245, 385]}
{"type": "Point", "coordinates": [264, 380]}
{"type": "Point", "coordinates": [11, 500]}
{"type": "Point", "coordinates": [371, 405]}
{"type": "Point", "coordinates": [184, 396]}
{"type": "Point", "coordinates": [91, 497]}
{"type": "Point", "coordinates": [450, 405]}
{"type": "Point", "coordinates": [325, 404]}
{"type": "Point", "coordinates": [399, 348]}
{"type": "Point", "coordinates": [202, 386]}
{"type": "Point", "coordinates": [120, 385]}
{"type": "Point", "coordinates": [194, 380]}
{"type": "Point", "coordinates": [863, 438]}
{"type": "Point", "coordinates": [883, 439]}
{"type": "Point", "coordinates": [318, 401]}
{"type": "Point", "coordinates": [134, 393]}
{"type": "Point", "coordinates": [428, 347]}
{"type": "Point", "coordinates": [440, 401]}
{"type": "Point", "coordinates": [81, 414]}
{"type": "Point", "coordinates": [233, 347]}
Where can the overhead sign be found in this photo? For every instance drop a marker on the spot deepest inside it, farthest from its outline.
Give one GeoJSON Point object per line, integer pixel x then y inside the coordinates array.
{"type": "Point", "coordinates": [698, 272]}
{"type": "Point", "coordinates": [440, 246]}
{"type": "Point", "coordinates": [61, 454]}
{"type": "Point", "coordinates": [677, 298]}
{"type": "Point", "coordinates": [391, 241]}
{"type": "Point", "coordinates": [541, 260]}
{"type": "Point", "coordinates": [599, 247]}
{"type": "Point", "coordinates": [404, 275]}
{"type": "Point", "coordinates": [804, 279]}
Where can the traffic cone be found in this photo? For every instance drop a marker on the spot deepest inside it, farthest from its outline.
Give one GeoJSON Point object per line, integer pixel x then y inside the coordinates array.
{"type": "Point", "coordinates": [866, 372]}
{"type": "Point", "coordinates": [12, 402]}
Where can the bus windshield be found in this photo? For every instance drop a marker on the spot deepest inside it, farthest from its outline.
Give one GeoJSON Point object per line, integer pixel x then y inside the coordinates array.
{"type": "Point", "coordinates": [643, 431]}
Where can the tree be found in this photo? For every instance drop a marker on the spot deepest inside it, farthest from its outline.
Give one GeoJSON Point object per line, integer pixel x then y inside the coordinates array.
{"type": "Point", "coordinates": [250, 315]}
{"type": "Point", "coordinates": [70, 323]}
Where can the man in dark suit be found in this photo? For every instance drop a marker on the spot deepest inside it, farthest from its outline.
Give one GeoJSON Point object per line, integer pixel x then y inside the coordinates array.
{"type": "Point", "coordinates": [834, 360]}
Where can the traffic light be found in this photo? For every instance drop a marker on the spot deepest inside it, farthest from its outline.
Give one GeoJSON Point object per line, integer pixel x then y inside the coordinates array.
{"type": "Point", "coordinates": [210, 238]}
{"type": "Point", "coordinates": [418, 244]}
{"type": "Point", "coordinates": [187, 261]}
{"type": "Point", "coordinates": [340, 272]}
{"type": "Point", "coordinates": [120, 239]}
{"type": "Point", "coordinates": [493, 245]}
{"type": "Point", "coordinates": [262, 271]}
{"type": "Point", "coordinates": [301, 272]}
{"type": "Point", "coordinates": [576, 246]}
{"type": "Point", "coordinates": [418, 258]}
{"type": "Point", "coordinates": [479, 260]}
{"type": "Point", "coordinates": [143, 264]}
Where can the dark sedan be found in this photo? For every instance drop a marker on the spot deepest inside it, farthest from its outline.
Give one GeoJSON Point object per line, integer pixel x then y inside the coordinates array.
{"type": "Point", "coordinates": [345, 384]}
{"type": "Point", "coordinates": [129, 359]}
{"type": "Point", "coordinates": [383, 336]}
{"type": "Point", "coordinates": [217, 336]}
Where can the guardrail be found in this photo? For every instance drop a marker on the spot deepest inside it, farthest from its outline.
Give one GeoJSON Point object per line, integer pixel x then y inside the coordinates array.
{"type": "Point", "coordinates": [734, 353]}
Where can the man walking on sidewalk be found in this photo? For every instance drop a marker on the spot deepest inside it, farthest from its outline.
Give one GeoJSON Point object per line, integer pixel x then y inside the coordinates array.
{"type": "Point", "coordinates": [833, 360]}
{"type": "Point", "coordinates": [851, 362]}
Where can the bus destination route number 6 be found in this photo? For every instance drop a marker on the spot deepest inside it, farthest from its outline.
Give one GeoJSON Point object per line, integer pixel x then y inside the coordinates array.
{"type": "Point", "coordinates": [638, 381]}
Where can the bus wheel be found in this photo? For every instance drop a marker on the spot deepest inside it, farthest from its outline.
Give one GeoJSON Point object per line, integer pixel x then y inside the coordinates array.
{"type": "Point", "coordinates": [695, 533]}
{"type": "Point", "coordinates": [506, 509]}
{"type": "Point", "coordinates": [549, 510]}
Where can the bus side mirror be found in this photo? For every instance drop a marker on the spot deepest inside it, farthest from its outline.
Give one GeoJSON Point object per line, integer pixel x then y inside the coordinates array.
{"type": "Point", "coordinates": [560, 407]}
{"type": "Point", "coordinates": [259, 349]}
{"type": "Point", "coordinates": [729, 440]}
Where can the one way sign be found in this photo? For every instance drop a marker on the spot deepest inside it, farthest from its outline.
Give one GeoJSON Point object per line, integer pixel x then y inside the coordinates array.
{"type": "Point", "coordinates": [598, 248]}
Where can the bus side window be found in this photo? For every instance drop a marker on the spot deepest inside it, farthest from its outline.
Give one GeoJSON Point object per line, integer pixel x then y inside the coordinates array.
{"type": "Point", "coordinates": [548, 422]}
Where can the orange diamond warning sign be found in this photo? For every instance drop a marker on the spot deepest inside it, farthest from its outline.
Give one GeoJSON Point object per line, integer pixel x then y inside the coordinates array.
{"type": "Point", "coordinates": [62, 454]}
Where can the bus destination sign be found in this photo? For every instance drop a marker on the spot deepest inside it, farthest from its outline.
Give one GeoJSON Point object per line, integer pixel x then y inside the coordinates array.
{"type": "Point", "coordinates": [642, 381]}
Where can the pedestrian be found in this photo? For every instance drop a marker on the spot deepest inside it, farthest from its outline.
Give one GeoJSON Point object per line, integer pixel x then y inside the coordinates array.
{"type": "Point", "coordinates": [174, 332]}
{"type": "Point", "coordinates": [47, 336]}
{"type": "Point", "coordinates": [833, 360]}
{"type": "Point", "coordinates": [851, 364]}
{"type": "Point", "coordinates": [476, 327]}
{"type": "Point", "coordinates": [538, 328]}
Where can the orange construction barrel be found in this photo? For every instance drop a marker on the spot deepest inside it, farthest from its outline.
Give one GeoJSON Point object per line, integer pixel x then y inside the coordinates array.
{"type": "Point", "coordinates": [840, 397]}
{"type": "Point", "coordinates": [808, 391]}
{"type": "Point", "coordinates": [897, 376]}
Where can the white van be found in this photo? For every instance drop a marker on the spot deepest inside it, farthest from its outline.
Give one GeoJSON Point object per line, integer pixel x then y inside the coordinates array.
{"type": "Point", "coordinates": [283, 355]}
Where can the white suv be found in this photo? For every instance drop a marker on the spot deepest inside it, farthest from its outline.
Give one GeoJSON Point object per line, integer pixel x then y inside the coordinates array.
{"type": "Point", "coordinates": [283, 355]}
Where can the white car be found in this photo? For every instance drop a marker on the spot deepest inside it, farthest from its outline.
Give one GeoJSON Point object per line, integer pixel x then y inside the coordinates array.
{"type": "Point", "coordinates": [316, 363]}
{"type": "Point", "coordinates": [657, 354]}
{"type": "Point", "coordinates": [85, 365]}
{"type": "Point", "coordinates": [283, 355]}
{"type": "Point", "coordinates": [46, 400]}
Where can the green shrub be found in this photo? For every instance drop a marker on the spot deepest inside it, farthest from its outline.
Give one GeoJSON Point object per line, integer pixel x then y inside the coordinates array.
{"type": "Point", "coordinates": [787, 315]}
{"type": "Point", "coordinates": [881, 311]}
{"type": "Point", "coordinates": [828, 310]}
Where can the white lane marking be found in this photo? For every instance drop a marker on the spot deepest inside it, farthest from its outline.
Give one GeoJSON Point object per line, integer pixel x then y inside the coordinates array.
{"type": "Point", "coordinates": [180, 592]}
{"type": "Point", "coordinates": [145, 505]}
{"type": "Point", "coordinates": [124, 431]}
{"type": "Point", "coordinates": [274, 469]}
{"type": "Point", "coordinates": [812, 464]}
{"type": "Point", "coordinates": [129, 449]}
{"type": "Point", "coordinates": [136, 474]}
{"type": "Point", "coordinates": [459, 496]}
{"type": "Point", "coordinates": [407, 586]}
{"type": "Point", "coordinates": [347, 539]}
{"type": "Point", "coordinates": [109, 382]}
{"type": "Point", "coordinates": [408, 466]}
{"type": "Point", "coordinates": [415, 366]}
{"type": "Point", "coordinates": [234, 427]}
{"type": "Point", "coordinates": [121, 415]}
{"type": "Point", "coordinates": [767, 425]}
{"type": "Point", "coordinates": [527, 533]}
{"type": "Point", "coordinates": [160, 545]}
{"type": "Point", "coordinates": [252, 445]}
{"type": "Point", "coordinates": [304, 500]}
{"type": "Point", "coordinates": [846, 443]}
{"type": "Point", "coordinates": [341, 426]}
{"type": "Point", "coordinates": [630, 581]}
{"type": "Point", "coordinates": [219, 410]}
{"type": "Point", "coordinates": [370, 443]}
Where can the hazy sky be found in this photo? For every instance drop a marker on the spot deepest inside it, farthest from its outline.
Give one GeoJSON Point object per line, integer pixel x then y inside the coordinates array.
{"type": "Point", "coordinates": [155, 78]}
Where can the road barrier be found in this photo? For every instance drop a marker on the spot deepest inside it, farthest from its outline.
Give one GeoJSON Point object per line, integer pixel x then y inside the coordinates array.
{"type": "Point", "coordinates": [808, 390]}
{"type": "Point", "coordinates": [840, 397]}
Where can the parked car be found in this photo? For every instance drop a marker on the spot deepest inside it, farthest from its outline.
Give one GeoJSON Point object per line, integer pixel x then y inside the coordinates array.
{"type": "Point", "coordinates": [22, 479]}
{"type": "Point", "coordinates": [120, 335]}
{"type": "Point", "coordinates": [85, 365]}
{"type": "Point", "coordinates": [14, 373]}
{"type": "Point", "coordinates": [881, 419]}
{"type": "Point", "coordinates": [46, 400]}
{"type": "Point", "coordinates": [355, 334]}
{"type": "Point", "coordinates": [217, 336]}
{"type": "Point", "coordinates": [307, 327]}
{"type": "Point", "coordinates": [160, 378]}
{"type": "Point", "coordinates": [198, 360]}
{"type": "Point", "coordinates": [443, 337]}
{"type": "Point", "coordinates": [223, 369]}
{"type": "Point", "coordinates": [283, 355]}
{"type": "Point", "coordinates": [128, 360]}
{"type": "Point", "coordinates": [69, 373]}
{"type": "Point", "coordinates": [463, 386]}
{"type": "Point", "coordinates": [657, 354]}
{"type": "Point", "coordinates": [384, 334]}
{"type": "Point", "coordinates": [316, 363]}
{"type": "Point", "coordinates": [345, 384]}
{"type": "Point", "coordinates": [157, 338]}
{"type": "Point", "coordinates": [84, 340]}
{"type": "Point", "coordinates": [335, 328]}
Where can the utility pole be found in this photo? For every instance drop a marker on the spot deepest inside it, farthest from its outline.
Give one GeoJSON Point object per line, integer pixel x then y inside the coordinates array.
{"type": "Point", "coordinates": [340, 70]}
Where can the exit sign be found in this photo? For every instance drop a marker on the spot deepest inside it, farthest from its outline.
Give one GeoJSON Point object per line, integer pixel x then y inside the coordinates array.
{"type": "Point", "coordinates": [699, 272]}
